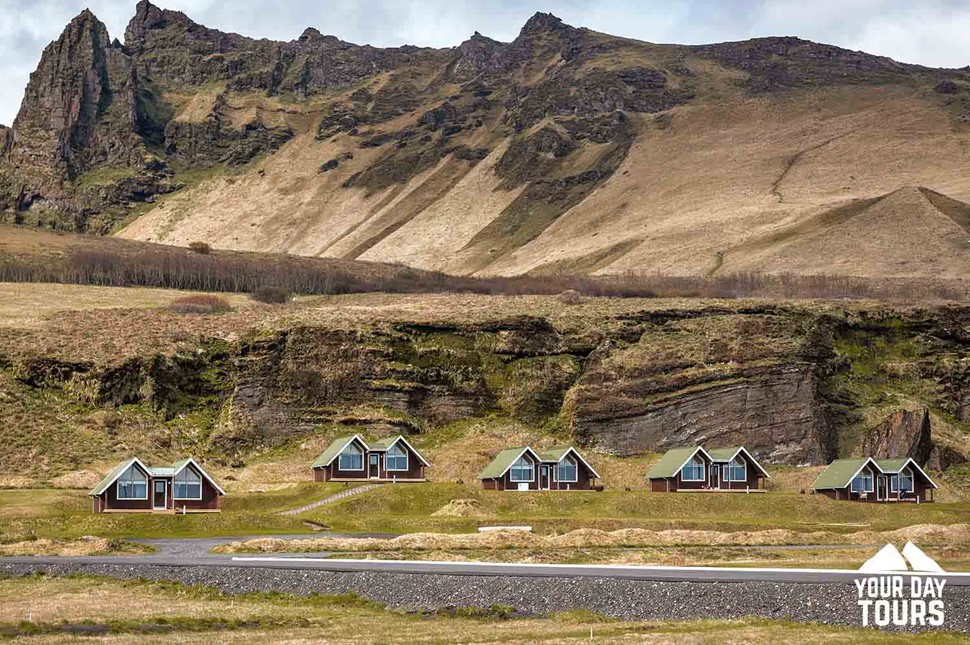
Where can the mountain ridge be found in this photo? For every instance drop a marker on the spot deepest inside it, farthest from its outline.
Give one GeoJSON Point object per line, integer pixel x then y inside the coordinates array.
{"type": "Point", "coordinates": [564, 149]}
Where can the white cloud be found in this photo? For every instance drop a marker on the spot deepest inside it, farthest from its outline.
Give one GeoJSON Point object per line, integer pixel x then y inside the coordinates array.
{"type": "Point", "coordinates": [930, 32]}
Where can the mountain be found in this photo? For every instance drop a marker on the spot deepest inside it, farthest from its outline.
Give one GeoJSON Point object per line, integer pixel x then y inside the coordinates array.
{"type": "Point", "coordinates": [565, 150]}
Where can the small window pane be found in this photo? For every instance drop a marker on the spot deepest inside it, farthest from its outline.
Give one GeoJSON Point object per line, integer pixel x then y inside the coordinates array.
{"type": "Point", "coordinates": [906, 481]}
{"type": "Point", "coordinates": [397, 458]}
{"type": "Point", "coordinates": [188, 484]}
{"type": "Point", "coordinates": [567, 470]}
{"type": "Point", "coordinates": [522, 470]}
{"type": "Point", "coordinates": [352, 458]}
{"type": "Point", "coordinates": [693, 471]}
{"type": "Point", "coordinates": [133, 484]}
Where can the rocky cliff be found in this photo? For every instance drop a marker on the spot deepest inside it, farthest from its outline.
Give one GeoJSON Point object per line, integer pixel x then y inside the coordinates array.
{"type": "Point", "coordinates": [563, 150]}
{"type": "Point", "coordinates": [795, 386]}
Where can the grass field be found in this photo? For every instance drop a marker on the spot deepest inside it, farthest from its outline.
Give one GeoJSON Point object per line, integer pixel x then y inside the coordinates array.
{"type": "Point", "coordinates": [61, 609]}
{"type": "Point", "coordinates": [409, 508]}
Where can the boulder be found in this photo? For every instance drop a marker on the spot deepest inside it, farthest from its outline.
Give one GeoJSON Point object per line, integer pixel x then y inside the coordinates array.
{"type": "Point", "coordinates": [905, 433]}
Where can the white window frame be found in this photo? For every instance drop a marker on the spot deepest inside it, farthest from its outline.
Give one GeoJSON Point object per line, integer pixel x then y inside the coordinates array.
{"type": "Point", "coordinates": [122, 477]}
{"type": "Point", "coordinates": [731, 466]}
{"type": "Point", "coordinates": [693, 462]}
{"type": "Point", "coordinates": [575, 463]}
{"type": "Point", "coordinates": [862, 476]}
{"type": "Point", "coordinates": [346, 452]}
{"type": "Point", "coordinates": [893, 483]}
{"type": "Point", "coordinates": [175, 485]}
{"type": "Point", "coordinates": [912, 481]}
{"type": "Point", "coordinates": [388, 456]}
{"type": "Point", "coordinates": [515, 466]}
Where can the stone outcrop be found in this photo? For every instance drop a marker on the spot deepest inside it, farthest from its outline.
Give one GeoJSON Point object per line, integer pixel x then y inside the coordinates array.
{"type": "Point", "coordinates": [762, 376]}
{"type": "Point", "coordinates": [777, 415]}
{"type": "Point", "coordinates": [81, 107]}
{"type": "Point", "coordinates": [902, 434]}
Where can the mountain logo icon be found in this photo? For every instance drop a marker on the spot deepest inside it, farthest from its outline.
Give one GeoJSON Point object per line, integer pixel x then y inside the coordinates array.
{"type": "Point", "coordinates": [890, 560]}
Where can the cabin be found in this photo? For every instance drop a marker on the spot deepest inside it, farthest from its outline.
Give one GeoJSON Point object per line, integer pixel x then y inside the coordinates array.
{"type": "Point", "coordinates": [698, 470]}
{"type": "Point", "coordinates": [871, 480]}
{"type": "Point", "coordinates": [526, 469]}
{"type": "Point", "coordinates": [350, 459]}
{"type": "Point", "coordinates": [133, 487]}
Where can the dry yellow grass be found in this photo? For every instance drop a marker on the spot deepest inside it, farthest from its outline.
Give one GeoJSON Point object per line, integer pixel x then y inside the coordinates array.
{"type": "Point", "coordinates": [83, 546]}
{"type": "Point", "coordinates": [31, 304]}
{"type": "Point", "coordinates": [923, 534]}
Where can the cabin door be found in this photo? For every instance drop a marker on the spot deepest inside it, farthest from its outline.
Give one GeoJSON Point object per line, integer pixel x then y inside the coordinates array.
{"type": "Point", "coordinates": [374, 466]}
{"type": "Point", "coordinates": [159, 495]}
{"type": "Point", "coordinates": [544, 481]}
{"type": "Point", "coordinates": [715, 476]}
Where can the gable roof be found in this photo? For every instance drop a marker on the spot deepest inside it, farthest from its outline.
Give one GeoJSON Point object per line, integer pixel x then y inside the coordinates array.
{"type": "Point", "coordinates": [673, 460]}
{"type": "Point", "coordinates": [558, 454]}
{"type": "Point", "coordinates": [383, 445]}
{"type": "Point", "coordinates": [179, 466]}
{"type": "Point", "coordinates": [841, 472]}
{"type": "Point", "coordinates": [728, 454]}
{"type": "Point", "coordinates": [151, 471]}
{"type": "Point", "coordinates": [504, 460]}
{"type": "Point", "coordinates": [335, 448]}
{"type": "Point", "coordinates": [115, 473]}
{"type": "Point", "coordinates": [896, 465]}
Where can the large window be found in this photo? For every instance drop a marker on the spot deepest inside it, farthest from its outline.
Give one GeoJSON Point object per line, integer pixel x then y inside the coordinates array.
{"type": "Point", "coordinates": [693, 471]}
{"type": "Point", "coordinates": [188, 484]}
{"type": "Point", "coordinates": [567, 470]}
{"type": "Point", "coordinates": [133, 484]}
{"type": "Point", "coordinates": [522, 470]}
{"type": "Point", "coordinates": [906, 481]}
{"type": "Point", "coordinates": [352, 458]}
{"type": "Point", "coordinates": [862, 482]}
{"type": "Point", "coordinates": [397, 458]}
{"type": "Point", "coordinates": [737, 470]}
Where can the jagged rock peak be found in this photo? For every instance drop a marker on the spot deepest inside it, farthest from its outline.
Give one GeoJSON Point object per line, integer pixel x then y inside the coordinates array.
{"type": "Point", "coordinates": [310, 33]}
{"type": "Point", "coordinates": [149, 17]}
{"type": "Point", "coordinates": [542, 22]}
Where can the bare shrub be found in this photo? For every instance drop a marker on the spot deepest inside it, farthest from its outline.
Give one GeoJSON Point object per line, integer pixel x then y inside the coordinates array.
{"type": "Point", "coordinates": [271, 295]}
{"type": "Point", "coordinates": [148, 265]}
{"type": "Point", "coordinates": [201, 248]}
{"type": "Point", "coordinates": [571, 297]}
{"type": "Point", "coordinates": [200, 304]}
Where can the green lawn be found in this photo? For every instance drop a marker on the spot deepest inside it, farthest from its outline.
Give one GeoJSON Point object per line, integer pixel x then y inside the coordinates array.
{"type": "Point", "coordinates": [408, 508]}
{"type": "Point", "coordinates": [67, 514]}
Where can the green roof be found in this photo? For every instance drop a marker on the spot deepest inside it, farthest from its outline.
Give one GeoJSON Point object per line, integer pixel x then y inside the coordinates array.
{"type": "Point", "coordinates": [891, 465]}
{"type": "Point", "coordinates": [722, 454]}
{"type": "Point", "coordinates": [502, 462]}
{"type": "Point", "coordinates": [554, 454]}
{"type": "Point", "coordinates": [383, 444]}
{"type": "Point", "coordinates": [333, 450]}
{"type": "Point", "coordinates": [671, 462]}
{"type": "Point", "coordinates": [152, 471]}
{"type": "Point", "coordinates": [839, 474]}
{"type": "Point", "coordinates": [112, 475]}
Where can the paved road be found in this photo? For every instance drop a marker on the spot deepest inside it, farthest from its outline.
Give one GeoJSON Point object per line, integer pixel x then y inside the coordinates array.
{"type": "Point", "coordinates": [318, 563]}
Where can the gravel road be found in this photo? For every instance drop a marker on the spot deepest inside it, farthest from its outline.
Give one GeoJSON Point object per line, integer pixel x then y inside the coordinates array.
{"type": "Point", "coordinates": [620, 598]}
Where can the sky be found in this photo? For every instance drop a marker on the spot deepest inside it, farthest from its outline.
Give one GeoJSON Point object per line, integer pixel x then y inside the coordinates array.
{"type": "Point", "coordinates": [928, 32]}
